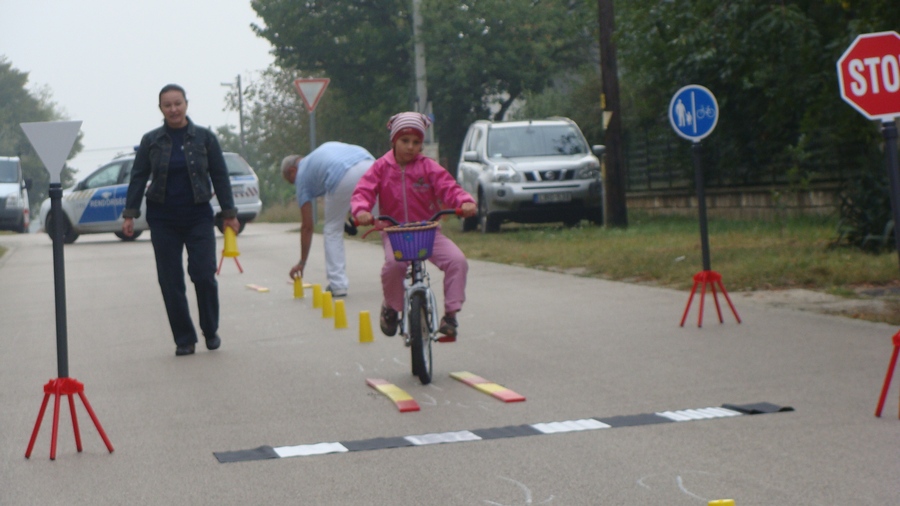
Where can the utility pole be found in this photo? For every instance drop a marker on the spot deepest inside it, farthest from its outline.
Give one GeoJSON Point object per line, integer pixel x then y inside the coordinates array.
{"type": "Point", "coordinates": [615, 212]}
{"type": "Point", "coordinates": [240, 94]}
{"type": "Point", "coordinates": [430, 147]}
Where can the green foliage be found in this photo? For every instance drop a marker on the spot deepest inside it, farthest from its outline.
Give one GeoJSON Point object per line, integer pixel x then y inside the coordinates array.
{"type": "Point", "coordinates": [481, 54]}
{"type": "Point", "coordinates": [18, 105]}
{"type": "Point", "coordinates": [865, 211]}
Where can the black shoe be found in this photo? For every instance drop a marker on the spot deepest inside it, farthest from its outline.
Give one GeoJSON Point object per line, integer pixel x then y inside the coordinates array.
{"type": "Point", "coordinates": [389, 321]}
{"type": "Point", "coordinates": [349, 227]}
{"type": "Point", "coordinates": [448, 328]}
{"type": "Point", "coordinates": [187, 349]}
{"type": "Point", "coordinates": [214, 343]}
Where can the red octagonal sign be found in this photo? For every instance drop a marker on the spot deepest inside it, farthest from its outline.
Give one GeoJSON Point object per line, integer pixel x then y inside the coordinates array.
{"type": "Point", "coordinates": [869, 75]}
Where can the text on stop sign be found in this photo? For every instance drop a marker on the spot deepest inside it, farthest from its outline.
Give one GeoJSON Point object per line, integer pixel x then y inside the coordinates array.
{"type": "Point", "coordinates": [875, 71]}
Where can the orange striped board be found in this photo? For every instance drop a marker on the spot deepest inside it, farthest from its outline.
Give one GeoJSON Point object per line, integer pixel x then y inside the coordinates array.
{"type": "Point", "coordinates": [258, 288]}
{"type": "Point", "coordinates": [492, 389]}
{"type": "Point", "coordinates": [401, 399]}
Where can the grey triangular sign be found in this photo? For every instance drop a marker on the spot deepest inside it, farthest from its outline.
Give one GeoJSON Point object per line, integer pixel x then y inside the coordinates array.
{"type": "Point", "coordinates": [52, 141]}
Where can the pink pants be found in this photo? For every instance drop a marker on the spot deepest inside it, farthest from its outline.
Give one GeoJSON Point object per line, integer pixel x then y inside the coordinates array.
{"type": "Point", "coordinates": [446, 255]}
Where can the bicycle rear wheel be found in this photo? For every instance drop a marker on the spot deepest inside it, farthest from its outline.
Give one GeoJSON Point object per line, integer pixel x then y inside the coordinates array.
{"type": "Point", "coordinates": [419, 337]}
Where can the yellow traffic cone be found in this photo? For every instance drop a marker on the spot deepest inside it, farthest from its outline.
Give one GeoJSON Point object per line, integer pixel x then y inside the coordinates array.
{"type": "Point", "coordinates": [327, 305]}
{"type": "Point", "coordinates": [340, 315]}
{"type": "Point", "coordinates": [365, 327]}
{"type": "Point", "coordinates": [317, 296]}
{"type": "Point", "coordinates": [231, 249]}
{"type": "Point", "coordinates": [298, 287]}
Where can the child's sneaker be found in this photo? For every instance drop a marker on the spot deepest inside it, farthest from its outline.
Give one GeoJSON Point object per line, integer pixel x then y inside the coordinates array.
{"type": "Point", "coordinates": [389, 319]}
{"type": "Point", "coordinates": [448, 328]}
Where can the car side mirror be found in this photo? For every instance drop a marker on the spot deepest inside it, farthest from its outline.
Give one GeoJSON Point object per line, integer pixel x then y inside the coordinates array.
{"type": "Point", "coordinates": [470, 156]}
{"type": "Point", "coordinates": [79, 186]}
{"type": "Point", "coordinates": [599, 150]}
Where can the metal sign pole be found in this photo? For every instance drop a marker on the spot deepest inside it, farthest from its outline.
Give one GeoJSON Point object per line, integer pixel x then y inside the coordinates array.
{"type": "Point", "coordinates": [59, 280]}
{"type": "Point", "coordinates": [889, 130]}
{"type": "Point", "coordinates": [697, 155]}
{"type": "Point", "coordinates": [312, 146]}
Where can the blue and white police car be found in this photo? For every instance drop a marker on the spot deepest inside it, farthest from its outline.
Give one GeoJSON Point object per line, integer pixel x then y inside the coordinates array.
{"type": "Point", "coordinates": [95, 204]}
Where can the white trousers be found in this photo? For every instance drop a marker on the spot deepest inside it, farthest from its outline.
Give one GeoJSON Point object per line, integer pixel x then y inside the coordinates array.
{"type": "Point", "coordinates": [337, 209]}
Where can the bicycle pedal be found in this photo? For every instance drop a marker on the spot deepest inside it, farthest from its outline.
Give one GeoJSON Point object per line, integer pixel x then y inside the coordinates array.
{"type": "Point", "coordinates": [446, 339]}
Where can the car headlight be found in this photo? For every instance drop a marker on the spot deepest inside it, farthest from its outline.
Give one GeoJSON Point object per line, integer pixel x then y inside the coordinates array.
{"type": "Point", "coordinates": [505, 173]}
{"type": "Point", "coordinates": [13, 201]}
{"type": "Point", "coordinates": [589, 170]}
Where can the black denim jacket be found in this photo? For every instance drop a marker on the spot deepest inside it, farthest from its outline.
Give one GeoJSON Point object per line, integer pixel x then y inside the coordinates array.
{"type": "Point", "coordinates": [205, 164]}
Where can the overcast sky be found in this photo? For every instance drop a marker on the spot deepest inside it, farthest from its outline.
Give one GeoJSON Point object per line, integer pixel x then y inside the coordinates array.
{"type": "Point", "coordinates": [104, 61]}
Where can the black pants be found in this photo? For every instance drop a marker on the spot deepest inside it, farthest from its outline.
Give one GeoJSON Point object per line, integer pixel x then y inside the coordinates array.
{"type": "Point", "coordinates": [169, 242]}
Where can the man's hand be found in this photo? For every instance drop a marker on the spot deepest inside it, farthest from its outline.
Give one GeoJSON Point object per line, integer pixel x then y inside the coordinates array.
{"type": "Point", "coordinates": [297, 270]}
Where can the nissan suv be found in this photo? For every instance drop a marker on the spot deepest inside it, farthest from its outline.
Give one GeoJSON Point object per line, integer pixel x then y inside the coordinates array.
{"type": "Point", "coordinates": [533, 171]}
{"type": "Point", "coordinates": [95, 204]}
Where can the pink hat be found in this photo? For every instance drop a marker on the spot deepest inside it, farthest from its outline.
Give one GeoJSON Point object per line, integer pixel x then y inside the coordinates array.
{"type": "Point", "coordinates": [408, 123]}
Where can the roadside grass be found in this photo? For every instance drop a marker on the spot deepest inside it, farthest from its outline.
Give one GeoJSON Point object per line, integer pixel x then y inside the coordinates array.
{"type": "Point", "coordinates": [666, 251]}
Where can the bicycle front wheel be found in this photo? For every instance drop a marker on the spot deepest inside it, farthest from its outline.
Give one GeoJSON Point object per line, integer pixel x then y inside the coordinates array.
{"type": "Point", "coordinates": [419, 337]}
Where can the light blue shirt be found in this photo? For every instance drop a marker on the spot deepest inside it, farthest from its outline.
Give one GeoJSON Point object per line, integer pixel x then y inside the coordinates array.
{"type": "Point", "coordinates": [320, 172]}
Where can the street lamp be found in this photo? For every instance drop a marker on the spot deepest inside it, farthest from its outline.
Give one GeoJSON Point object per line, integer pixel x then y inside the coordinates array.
{"type": "Point", "coordinates": [240, 94]}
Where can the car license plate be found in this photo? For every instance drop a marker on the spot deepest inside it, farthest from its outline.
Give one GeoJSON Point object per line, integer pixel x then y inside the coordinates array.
{"type": "Point", "coordinates": [549, 198]}
{"type": "Point", "coordinates": [237, 188]}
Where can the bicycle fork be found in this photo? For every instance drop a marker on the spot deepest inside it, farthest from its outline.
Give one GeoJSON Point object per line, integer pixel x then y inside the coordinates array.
{"type": "Point", "coordinates": [415, 286]}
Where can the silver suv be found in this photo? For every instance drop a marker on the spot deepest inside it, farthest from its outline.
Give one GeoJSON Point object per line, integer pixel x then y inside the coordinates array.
{"type": "Point", "coordinates": [533, 171]}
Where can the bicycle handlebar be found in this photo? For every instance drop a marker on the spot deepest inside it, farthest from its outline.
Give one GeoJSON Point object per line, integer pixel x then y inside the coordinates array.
{"type": "Point", "coordinates": [437, 215]}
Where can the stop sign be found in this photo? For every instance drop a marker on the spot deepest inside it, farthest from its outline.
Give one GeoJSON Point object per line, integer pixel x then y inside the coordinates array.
{"type": "Point", "coordinates": [869, 75]}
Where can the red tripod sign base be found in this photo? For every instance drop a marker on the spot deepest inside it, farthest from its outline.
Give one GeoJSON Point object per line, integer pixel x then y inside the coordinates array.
{"type": "Point", "coordinates": [711, 278]}
{"type": "Point", "coordinates": [219, 270]}
{"type": "Point", "coordinates": [889, 375]}
{"type": "Point", "coordinates": [68, 387]}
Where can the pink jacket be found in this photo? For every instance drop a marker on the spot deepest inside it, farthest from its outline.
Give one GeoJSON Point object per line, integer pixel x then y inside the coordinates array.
{"type": "Point", "coordinates": [411, 194]}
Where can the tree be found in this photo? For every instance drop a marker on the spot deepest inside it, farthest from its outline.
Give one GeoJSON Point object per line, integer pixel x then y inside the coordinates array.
{"type": "Point", "coordinates": [482, 55]}
{"type": "Point", "coordinates": [18, 105]}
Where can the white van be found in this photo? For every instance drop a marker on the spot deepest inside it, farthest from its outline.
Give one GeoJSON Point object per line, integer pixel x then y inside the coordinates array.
{"type": "Point", "coordinates": [14, 206]}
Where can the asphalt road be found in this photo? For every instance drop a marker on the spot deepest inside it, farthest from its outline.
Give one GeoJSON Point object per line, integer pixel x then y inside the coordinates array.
{"type": "Point", "coordinates": [578, 349]}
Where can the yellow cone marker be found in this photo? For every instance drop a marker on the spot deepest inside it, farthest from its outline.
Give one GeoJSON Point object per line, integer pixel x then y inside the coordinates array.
{"type": "Point", "coordinates": [340, 315]}
{"type": "Point", "coordinates": [317, 296]}
{"type": "Point", "coordinates": [231, 249]}
{"type": "Point", "coordinates": [722, 502]}
{"type": "Point", "coordinates": [298, 287]}
{"type": "Point", "coordinates": [327, 305]}
{"type": "Point", "coordinates": [365, 327]}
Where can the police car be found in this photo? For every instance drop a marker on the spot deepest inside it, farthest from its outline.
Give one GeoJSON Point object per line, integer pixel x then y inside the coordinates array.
{"type": "Point", "coordinates": [95, 204]}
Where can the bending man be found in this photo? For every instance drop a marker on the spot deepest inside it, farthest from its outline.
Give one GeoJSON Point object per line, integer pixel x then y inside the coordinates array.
{"type": "Point", "coordinates": [331, 170]}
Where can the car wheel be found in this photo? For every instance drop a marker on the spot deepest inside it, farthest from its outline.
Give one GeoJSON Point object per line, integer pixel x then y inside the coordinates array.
{"type": "Point", "coordinates": [596, 216]}
{"type": "Point", "coordinates": [135, 235]}
{"type": "Point", "coordinates": [69, 234]}
{"type": "Point", "coordinates": [489, 224]}
{"type": "Point", "coordinates": [469, 224]}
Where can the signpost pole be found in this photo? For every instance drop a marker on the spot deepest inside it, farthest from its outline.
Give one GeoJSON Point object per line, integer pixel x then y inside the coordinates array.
{"type": "Point", "coordinates": [889, 130]}
{"type": "Point", "coordinates": [59, 281]}
{"type": "Point", "coordinates": [697, 155]}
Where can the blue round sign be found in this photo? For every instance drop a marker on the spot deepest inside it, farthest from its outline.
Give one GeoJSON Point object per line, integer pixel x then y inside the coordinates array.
{"type": "Point", "coordinates": [693, 112]}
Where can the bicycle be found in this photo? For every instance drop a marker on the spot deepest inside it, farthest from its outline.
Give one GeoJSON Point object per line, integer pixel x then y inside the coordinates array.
{"type": "Point", "coordinates": [419, 320]}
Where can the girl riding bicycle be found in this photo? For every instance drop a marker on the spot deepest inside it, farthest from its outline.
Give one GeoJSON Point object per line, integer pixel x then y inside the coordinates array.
{"type": "Point", "coordinates": [411, 187]}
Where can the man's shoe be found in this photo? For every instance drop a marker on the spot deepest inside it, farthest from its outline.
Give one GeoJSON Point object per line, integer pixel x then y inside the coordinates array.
{"type": "Point", "coordinates": [214, 343]}
{"type": "Point", "coordinates": [187, 349]}
{"type": "Point", "coordinates": [389, 322]}
{"type": "Point", "coordinates": [349, 227]}
{"type": "Point", "coordinates": [448, 328]}
{"type": "Point", "coordinates": [336, 293]}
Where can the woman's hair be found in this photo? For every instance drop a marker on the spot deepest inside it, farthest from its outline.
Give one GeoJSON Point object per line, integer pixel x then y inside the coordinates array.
{"type": "Point", "coordinates": [172, 87]}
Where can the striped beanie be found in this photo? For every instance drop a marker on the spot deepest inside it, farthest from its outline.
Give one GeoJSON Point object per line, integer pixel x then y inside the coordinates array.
{"type": "Point", "coordinates": [408, 123]}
